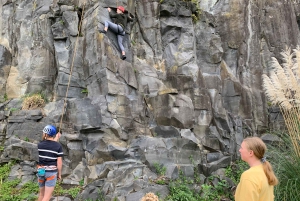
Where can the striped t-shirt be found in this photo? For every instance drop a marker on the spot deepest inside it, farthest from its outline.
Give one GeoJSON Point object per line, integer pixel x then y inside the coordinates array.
{"type": "Point", "coordinates": [49, 151]}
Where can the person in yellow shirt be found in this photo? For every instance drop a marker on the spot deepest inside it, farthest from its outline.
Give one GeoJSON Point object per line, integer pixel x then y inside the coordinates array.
{"type": "Point", "coordinates": [257, 183]}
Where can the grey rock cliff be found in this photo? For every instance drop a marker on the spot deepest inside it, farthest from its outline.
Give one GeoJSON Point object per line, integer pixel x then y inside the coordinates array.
{"type": "Point", "coordinates": [189, 88]}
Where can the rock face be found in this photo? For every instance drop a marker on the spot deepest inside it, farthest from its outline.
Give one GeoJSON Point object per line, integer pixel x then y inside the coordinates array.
{"type": "Point", "coordinates": [189, 88]}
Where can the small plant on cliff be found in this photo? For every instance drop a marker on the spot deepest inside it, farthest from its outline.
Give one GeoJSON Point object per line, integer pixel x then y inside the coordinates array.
{"type": "Point", "coordinates": [196, 14]}
{"type": "Point", "coordinates": [32, 102]}
{"type": "Point", "coordinates": [13, 109]}
{"type": "Point", "coordinates": [160, 169]}
{"type": "Point", "coordinates": [84, 91]}
{"type": "Point", "coordinates": [5, 97]}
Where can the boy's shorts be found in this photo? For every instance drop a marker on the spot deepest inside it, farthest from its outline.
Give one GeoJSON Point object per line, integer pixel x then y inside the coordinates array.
{"type": "Point", "coordinates": [48, 180]}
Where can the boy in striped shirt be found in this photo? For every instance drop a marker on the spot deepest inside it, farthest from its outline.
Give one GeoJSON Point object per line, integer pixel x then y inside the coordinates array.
{"type": "Point", "coordinates": [50, 162]}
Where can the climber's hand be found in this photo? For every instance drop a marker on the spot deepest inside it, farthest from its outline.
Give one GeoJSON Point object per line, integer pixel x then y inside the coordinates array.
{"type": "Point", "coordinates": [108, 9]}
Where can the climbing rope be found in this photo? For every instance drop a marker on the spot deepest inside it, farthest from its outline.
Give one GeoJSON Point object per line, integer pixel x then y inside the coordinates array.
{"type": "Point", "coordinates": [71, 70]}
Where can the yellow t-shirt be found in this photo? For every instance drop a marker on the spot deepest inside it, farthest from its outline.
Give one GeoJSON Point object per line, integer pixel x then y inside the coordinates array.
{"type": "Point", "coordinates": [254, 186]}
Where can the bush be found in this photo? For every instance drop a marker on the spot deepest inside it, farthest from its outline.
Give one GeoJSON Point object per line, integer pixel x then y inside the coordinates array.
{"type": "Point", "coordinates": [181, 189]}
{"type": "Point", "coordinates": [235, 170]}
{"type": "Point", "coordinates": [150, 197]}
{"type": "Point", "coordinates": [32, 102]}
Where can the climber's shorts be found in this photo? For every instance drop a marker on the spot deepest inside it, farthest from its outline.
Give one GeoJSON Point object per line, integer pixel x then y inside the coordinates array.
{"type": "Point", "coordinates": [48, 180]}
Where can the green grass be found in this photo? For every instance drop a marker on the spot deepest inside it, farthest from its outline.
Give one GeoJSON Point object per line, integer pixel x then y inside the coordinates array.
{"type": "Point", "coordinates": [9, 190]}
{"type": "Point", "coordinates": [286, 167]}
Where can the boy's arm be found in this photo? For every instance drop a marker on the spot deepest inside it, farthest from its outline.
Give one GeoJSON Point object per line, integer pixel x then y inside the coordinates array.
{"type": "Point", "coordinates": [59, 167]}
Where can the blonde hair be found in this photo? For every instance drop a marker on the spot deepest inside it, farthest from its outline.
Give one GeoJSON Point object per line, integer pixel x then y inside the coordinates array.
{"type": "Point", "coordinates": [45, 136]}
{"type": "Point", "coordinates": [259, 148]}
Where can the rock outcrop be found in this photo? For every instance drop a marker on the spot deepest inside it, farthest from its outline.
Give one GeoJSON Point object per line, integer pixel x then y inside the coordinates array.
{"type": "Point", "coordinates": [188, 93]}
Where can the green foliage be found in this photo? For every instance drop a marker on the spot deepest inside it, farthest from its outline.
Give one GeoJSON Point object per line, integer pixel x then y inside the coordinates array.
{"type": "Point", "coordinates": [195, 15]}
{"type": "Point", "coordinates": [4, 170]}
{"type": "Point", "coordinates": [73, 192]}
{"type": "Point", "coordinates": [206, 191]}
{"type": "Point", "coordinates": [13, 109]}
{"type": "Point", "coordinates": [84, 91]}
{"type": "Point", "coordinates": [181, 192]}
{"type": "Point", "coordinates": [101, 196]}
{"type": "Point", "coordinates": [181, 189]}
{"type": "Point", "coordinates": [235, 170]}
{"type": "Point", "coordinates": [160, 182]}
{"type": "Point", "coordinates": [286, 165]}
{"type": "Point", "coordinates": [160, 169]}
{"type": "Point", "coordinates": [29, 191]}
{"type": "Point", "coordinates": [5, 97]}
{"type": "Point", "coordinates": [10, 191]}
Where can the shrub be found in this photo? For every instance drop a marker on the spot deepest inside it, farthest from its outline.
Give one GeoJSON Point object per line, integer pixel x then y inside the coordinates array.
{"type": "Point", "coordinates": [150, 197]}
{"type": "Point", "coordinates": [32, 102]}
{"type": "Point", "coordinates": [181, 189]}
{"type": "Point", "coordinates": [235, 170]}
{"type": "Point", "coordinates": [160, 169]}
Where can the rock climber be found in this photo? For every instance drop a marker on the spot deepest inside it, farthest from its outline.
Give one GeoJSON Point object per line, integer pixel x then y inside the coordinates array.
{"type": "Point", "coordinates": [50, 162]}
{"type": "Point", "coordinates": [118, 27]}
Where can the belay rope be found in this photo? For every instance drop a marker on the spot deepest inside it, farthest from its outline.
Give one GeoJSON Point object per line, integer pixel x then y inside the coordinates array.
{"type": "Point", "coordinates": [71, 71]}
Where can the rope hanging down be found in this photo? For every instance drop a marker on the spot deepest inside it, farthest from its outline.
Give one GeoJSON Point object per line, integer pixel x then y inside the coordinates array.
{"type": "Point", "coordinates": [71, 70]}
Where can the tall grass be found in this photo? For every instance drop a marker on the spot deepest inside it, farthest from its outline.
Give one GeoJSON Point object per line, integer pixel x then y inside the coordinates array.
{"type": "Point", "coordinates": [283, 90]}
{"type": "Point", "coordinates": [286, 165]}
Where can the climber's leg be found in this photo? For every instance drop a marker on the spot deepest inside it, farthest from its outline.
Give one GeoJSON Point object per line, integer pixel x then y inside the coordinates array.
{"type": "Point", "coordinates": [112, 26]}
{"type": "Point", "coordinates": [120, 42]}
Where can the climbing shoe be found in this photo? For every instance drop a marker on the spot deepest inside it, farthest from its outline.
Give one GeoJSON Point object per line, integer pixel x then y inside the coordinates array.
{"type": "Point", "coordinates": [123, 57]}
{"type": "Point", "coordinates": [103, 31]}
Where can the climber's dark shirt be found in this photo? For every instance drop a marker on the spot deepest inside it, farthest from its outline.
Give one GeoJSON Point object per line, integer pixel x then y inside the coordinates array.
{"type": "Point", "coordinates": [120, 19]}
